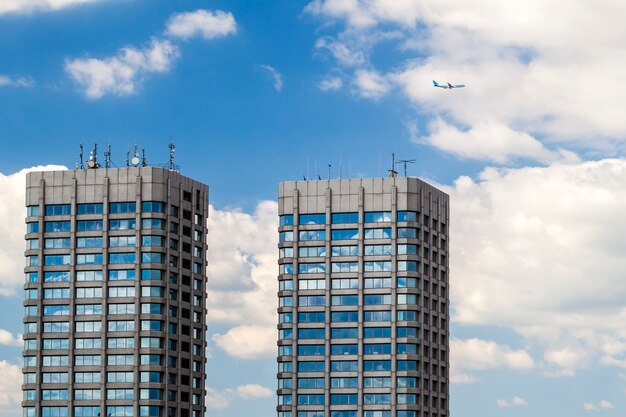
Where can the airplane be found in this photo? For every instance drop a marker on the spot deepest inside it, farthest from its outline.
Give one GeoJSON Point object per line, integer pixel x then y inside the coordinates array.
{"type": "Point", "coordinates": [448, 86]}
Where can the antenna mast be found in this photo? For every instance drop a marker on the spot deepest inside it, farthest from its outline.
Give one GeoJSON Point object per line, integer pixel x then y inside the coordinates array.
{"type": "Point", "coordinates": [405, 162]}
{"type": "Point", "coordinates": [80, 155]}
{"type": "Point", "coordinates": [392, 171]}
{"type": "Point", "coordinates": [172, 152]}
{"type": "Point", "coordinates": [107, 156]}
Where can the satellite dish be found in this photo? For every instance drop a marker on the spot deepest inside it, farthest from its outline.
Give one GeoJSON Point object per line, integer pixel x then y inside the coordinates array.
{"type": "Point", "coordinates": [91, 164]}
{"type": "Point", "coordinates": [135, 160]}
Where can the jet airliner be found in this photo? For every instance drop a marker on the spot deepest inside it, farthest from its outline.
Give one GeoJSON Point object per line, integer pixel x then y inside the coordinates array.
{"type": "Point", "coordinates": [448, 86]}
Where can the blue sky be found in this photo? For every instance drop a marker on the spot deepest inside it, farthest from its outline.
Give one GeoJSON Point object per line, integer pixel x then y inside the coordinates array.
{"type": "Point", "coordinates": [255, 92]}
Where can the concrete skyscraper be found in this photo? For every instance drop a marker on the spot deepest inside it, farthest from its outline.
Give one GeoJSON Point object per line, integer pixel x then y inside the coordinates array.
{"type": "Point", "coordinates": [115, 309]}
{"type": "Point", "coordinates": [363, 299]}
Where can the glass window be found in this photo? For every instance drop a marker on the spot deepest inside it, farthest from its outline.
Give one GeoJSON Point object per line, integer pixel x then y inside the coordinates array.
{"type": "Point", "coordinates": [377, 282]}
{"type": "Point", "coordinates": [122, 258]}
{"type": "Point", "coordinates": [345, 267]}
{"type": "Point", "coordinates": [376, 349]}
{"type": "Point", "coordinates": [312, 268]}
{"type": "Point", "coordinates": [32, 211]}
{"type": "Point", "coordinates": [91, 208]}
{"type": "Point", "coordinates": [344, 316]}
{"type": "Point", "coordinates": [88, 275]}
{"type": "Point", "coordinates": [343, 218]}
{"type": "Point", "coordinates": [377, 266]}
{"type": "Point", "coordinates": [89, 242]}
{"type": "Point", "coordinates": [312, 235]}
{"type": "Point", "coordinates": [151, 240]}
{"type": "Point", "coordinates": [89, 259]}
{"type": "Point", "coordinates": [377, 250]}
{"type": "Point", "coordinates": [408, 266]}
{"type": "Point", "coordinates": [407, 216]}
{"type": "Point", "coordinates": [151, 275]}
{"type": "Point", "coordinates": [32, 227]}
{"type": "Point", "coordinates": [345, 300]}
{"type": "Point", "coordinates": [89, 225]}
{"type": "Point", "coordinates": [122, 224]}
{"type": "Point", "coordinates": [384, 233]}
{"type": "Point", "coordinates": [311, 251]}
{"type": "Point", "coordinates": [345, 234]}
{"type": "Point", "coordinates": [344, 333]}
{"type": "Point", "coordinates": [153, 224]}
{"type": "Point", "coordinates": [377, 216]}
{"type": "Point", "coordinates": [376, 332]}
{"type": "Point", "coordinates": [285, 237]}
{"type": "Point", "coordinates": [312, 219]}
{"type": "Point", "coordinates": [58, 226]}
{"type": "Point", "coordinates": [286, 220]}
{"type": "Point", "coordinates": [345, 283]}
{"type": "Point", "coordinates": [153, 207]}
{"type": "Point", "coordinates": [58, 210]}
{"type": "Point", "coordinates": [58, 243]}
{"type": "Point", "coordinates": [407, 249]}
{"type": "Point", "coordinates": [128, 207]}
{"type": "Point", "coordinates": [407, 232]}
{"type": "Point", "coordinates": [376, 299]}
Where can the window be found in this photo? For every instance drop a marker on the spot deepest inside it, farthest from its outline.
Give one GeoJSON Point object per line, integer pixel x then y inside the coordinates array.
{"type": "Point", "coordinates": [56, 310]}
{"type": "Point", "coordinates": [153, 207]}
{"type": "Point", "coordinates": [343, 218]}
{"type": "Point", "coordinates": [344, 333]}
{"type": "Point", "coordinates": [344, 316]}
{"type": "Point", "coordinates": [54, 394]}
{"type": "Point", "coordinates": [376, 332]}
{"type": "Point", "coordinates": [306, 383]}
{"type": "Point", "coordinates": [88, 309]}
{"type": "Point", "coordinates": [285, 301]}
{"type": "Point", "coordinates": [58, 210]}
{"type": "Point", "coordinates": [88, 275]}
{"type": "Point", "coordinates": [92, 208]}
{"type": "Point", "coordinates": [345, 234]}
{"type": "Point", "coordinates": [122, 258]}
{"type": "Point", "coordinates": [374, 316]}
{"type": "Point", "coordinates": [157, 224]}
{"type": "Point", "coordinates": [351, 349]}
{"type": "Point", "coordinates": [32, 211]}
{"type": "Point", "coordinates": [377, 216]}
{"type": "Point", "coordinates": [407, 299]}
{"type": "Point", "coordinates": [408, 266]}
{"type": "Point", "coordinates": [406, 382]}
{"type": "Point", "coordinates": [377, 250]}
{"type": "Point", "coordinates": [87, 360]}
{"type": "Point", "coordinates": [352, 250]}
{"type": "Point", "coordinates": [56, 344]}
{"type": "Point", "coordinates": [311, 350]}
{"type": "Point", "coordinates": [33, 243]}
{"type": "Point", "coordinates": [58, 243]}
{"type": "Point", "coordinates": [32, 227]}
{"type": "Point", "coordinates": [151, 275]}
{"type": "Point", "coordinates": [129, 207]}
{"type": "Point", "coordinates": [377, 282]}
{"type": "Point", "coordinates": [311, 399]}
{"type": "Point", "coordinates": [312, 235]}
{"type": "Point", "coordinates": [88, 343]}
{"type": "Point", "coordinates": [407, 331]}
{"type": "Point", "coordinates": [312, 317]}
{"type": "Point", "coordinates": [407, 216]}
{"type": "Point", "coordinates": [151, 308]}
{"type": "Point", "coordinates": [286, 220]}
{"type": "Point", "coordinates": [407, 315]}
{"type": "Point", "coordinates": [87, 377]}
{"type": "Point", "coordinates": [85, 395]}
{"type": "Point", "coordinates": [312, 219]}
{"type": "Point", "coordinates": [88, 242]}
{"type": "Point", "coordinates": [89, 225]}
{"type": "Point", "coordinates": [311, 301]}
{"type": "Point", "coordinates": [89, 259]}
{"type": "Point", "coordinates": [311, 366]}
{"type": "Point", "coordinates": [406, 348]}
{"type": "Point", "coordinates": [345, 267]}
{"type": "Point", "coordinates": [407, 232]}
{"type": "Point", "coordinates": [122, 224]}
{"type": "Point", "coordinates": [88, 326]}
{"type": "Point", "coordinates": [54, 378]}
{"type": "Point", "coordinates": [344, 399]}
{"type": "Point", "coordinates": [343, 383]}
{"type": "Point", "coordinates": [285, 237]}
{"type": "Point", "coordinates": [371, 399]}
{"type": "Point", "coordinates": [407, 249]}
{"type": "Point", "coordinates": [55, 293]}
{"type": "Point", "coordinates": [377, 266]}
{"type": "Point", "coordinates": [117, 241]}
{"type": "Point", "coordinates": [54, 412]}
{"type": "Point", "coordinates": [312, 284]}
{"type": "Point", "coordinates": [378, 233]}
{"type": "Point", "coordinates": [311, 251]}
{"type": "Point", "coordinates": [376, 365]}
{"type": "Point", "coordinates": [311, 333]}
{"type": "Point", "coordinates": [345, 300]}
{"type": "Point", "coordinates": [152, 292]}
{"type": "Point", "coordinates": [121, 326]}
{"type": "Point", "coordinates": [406, 366]}
{"type": "Point", "coordinates": [286, 253]}
{"type": "Point", "coordinates": [121, 308]}
{"type": "Point", "coordinates": [376, 299]}
{"type": "Point", "coordinates": [87, 411]}
{"type": "Point", "coordinates": [152, 257]}
{"type": "Point", "coordinates": [151, 241]}
{"type": "Point", "coordinates": [121, 343]}
{"type": "Point", "coordinates": [151, 342]}
{"type": "Point", "coordinates": [57, 260]}
{"type": "Point", "coordinates": [312, 268]}
{"type": "Point", "coordinates": [345, 283]}
{"type": "Point", "coordinates": [377, 349]}
{"type": "Point", "coordinates": [407, 282]}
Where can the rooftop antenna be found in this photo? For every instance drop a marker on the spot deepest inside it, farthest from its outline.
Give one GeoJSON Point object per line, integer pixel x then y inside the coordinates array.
{"type": "Point", "coordinates": [405, 162]}
{"type": "Point", "coordinates": [172, 153]}
{"type": "Point", "coordinates": [80, 155]}
{"type": "Point", "coordinates": [329, 167]}
{"type": "Point", "coordinates": [128, 157]}
{"type": "Point", "coordinates": [107, 156]}
{"type": "Point", "coordinates": [392, 171]}
{"type": "Point", "coordinates": [304, 178]}
{"type": "Point", "coordinates": [93, 158]}
{"type": "Point", "coordinates": [135, 159]}
{"type": "Point", "coordinates": [340, 167]}
{"type": "Point", "coordinates": [144, 161]}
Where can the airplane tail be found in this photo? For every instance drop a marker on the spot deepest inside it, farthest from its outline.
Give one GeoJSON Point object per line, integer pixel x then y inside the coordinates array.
{"type": "Point", "coordinates": [435, 83]}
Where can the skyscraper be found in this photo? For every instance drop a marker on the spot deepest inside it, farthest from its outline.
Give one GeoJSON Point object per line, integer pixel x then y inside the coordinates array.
{"type": "Point", "coordinates": [115, 309]}
{"type": "Point", "coordinates": [363, 299]}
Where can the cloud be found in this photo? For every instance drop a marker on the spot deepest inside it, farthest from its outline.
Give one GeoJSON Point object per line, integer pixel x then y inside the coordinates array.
{"type": "Point", "coordinates": [540, 79]}
{"type": "Point", "coordinates": [275, 75]}
{"type": "Point", "coordinates": [123, 73]}
{"type": "Point", "coordinates": [514, 402]}
{"type": "Point", "coordinates": [10, 388]}
{"type": "Point", "coordinates": [492, 141]}
{"type": "Point", "coordinates": [202, 23]}
{"type": "Point", "coordinates": [6, 81]}
{"type": "Point", "coordinates": [602, 405]}
{"type": "Point", "coordinates": [8, 339]}
{"type": "Point", "coordinates": [341, 52]}
{"type": "Point", "coordinates": [370, 84]}
{"type": "Point", "coordinates": [553, 236]}
{"type": "Point", "coordinates": [330, 84]}
{"type": "Point", "coordinates": [479, 355]}
{"type": "Point", "coordinates": [242, 253]}
{"type": "Point", "coordinates": [12, 229]}
{"type": "Point", "coordinates": [29, 6]}
{"type": "Point", "coordinates": [223, 398]}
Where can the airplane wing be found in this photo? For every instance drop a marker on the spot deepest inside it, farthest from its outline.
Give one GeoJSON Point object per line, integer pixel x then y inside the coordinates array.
{"type": "Point", "coordinates": [458, 86]}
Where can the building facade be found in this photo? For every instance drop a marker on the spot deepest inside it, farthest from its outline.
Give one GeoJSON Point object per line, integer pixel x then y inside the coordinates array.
{"type": "Point", "coordinates": [115, 304]}
{"type": "Point", "coordinates": [363, 299]}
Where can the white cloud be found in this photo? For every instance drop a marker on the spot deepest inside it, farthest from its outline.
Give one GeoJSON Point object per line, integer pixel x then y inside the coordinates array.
{"type": "Point", "coordinates": [6, 81]}
{"type": "Point", "coordinates": [490, 140]}
{"type": "Point", "coordinates": [10, 388]}
{"type": "Point", "coordinates": [223, 398]}
{"type": "Point", "coordinates": [253, 391]}
{"type": "Point", "coordinates": [330, 84]}
{"type": "Point", "coordinates": [514, 402]}
{"type": "Point", "coordinates": [275, 75]}
{"type": "Point", "coordinates": [9, 339]}
{"type": "Point", "coordinates": [341, 52]}
{"type": "Point", "coordinates": [202, 23]}
{"type": "Point", "coordinates": [12, 229]}
{"type": "Point", "coordinates": [602, 405]}
{"type": "Point", "coordinates": [553, 236]}
{"type": "Point", "coordinates": [242, 253]}
{"type": "Point", "coordinates": [530, 68]}
{"type": "Point", "coordinates": [28, 6]}
{"type": "Point", "coordinates": [123, 73]}
{"type": "Point", "coordinates": [479, 355]}
{"type": "Point", "coordinates": [370, 84]}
